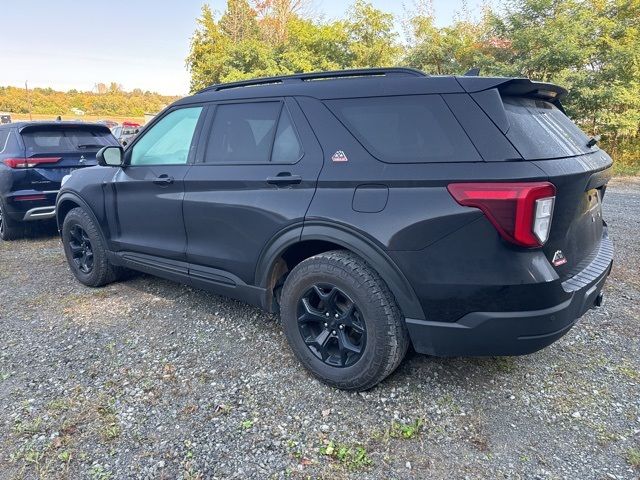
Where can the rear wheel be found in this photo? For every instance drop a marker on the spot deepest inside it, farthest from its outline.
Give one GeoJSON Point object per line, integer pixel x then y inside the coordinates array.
{"type": "Point", "coordinates": [9, 228]}
{"type": "Point", "coordinates": [85, 250]}
{"type": "Point", "coordinates": [342, 321]}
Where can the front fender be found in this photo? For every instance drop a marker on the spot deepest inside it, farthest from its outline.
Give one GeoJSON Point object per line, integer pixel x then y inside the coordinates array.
{"type": "Point", "coordinates": [66, 201]}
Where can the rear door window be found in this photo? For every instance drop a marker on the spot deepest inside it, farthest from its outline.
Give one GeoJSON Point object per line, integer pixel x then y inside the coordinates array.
{"type": "Point", "coordinates": [406, 129]}
{"type": "Point", "coordinates": [539, 130]}
{"type": "Point", "coordinates": [286, 146]}
{"type": "Point", "coordinates": [258, 132]}
{"type": "Point", "coordinates": [66, 140]}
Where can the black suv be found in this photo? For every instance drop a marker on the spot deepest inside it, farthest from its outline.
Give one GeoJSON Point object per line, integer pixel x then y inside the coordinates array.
{"type": "Point", "coordinates": [373, 209]}
{"type": "Point", "coordinates": [34, 157]}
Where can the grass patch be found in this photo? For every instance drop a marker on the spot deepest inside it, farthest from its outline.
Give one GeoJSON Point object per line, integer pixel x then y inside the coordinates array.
{"type": "Point", "coordinates": [28, 427]}
{"type": "Point", "coordinates": [626, 168]}
{"type": "Point", "coordinates": [110, 428]}
{"type": "Point", "coordinates": [504, 364]}
{"type": "Point", "coordinates": [98, 472]}
{"type": "Point", "coordinates": [633, 457]}
{"type": "Point", "coordinates": [406, 431]}
{"type": "Point", "coordinates": [353, 457]}
{"type": "Point", "coordinates": [246, 424]}
{"type": "Point", "coordinates": [628, 371]}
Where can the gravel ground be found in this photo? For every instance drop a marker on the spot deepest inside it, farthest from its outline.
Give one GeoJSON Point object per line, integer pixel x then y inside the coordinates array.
{"type": "Point", "coordinates": [150, 379]}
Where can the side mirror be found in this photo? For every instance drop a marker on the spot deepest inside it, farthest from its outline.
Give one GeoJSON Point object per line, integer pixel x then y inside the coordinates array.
{"type": "Point", "coordinates": [111, 156]}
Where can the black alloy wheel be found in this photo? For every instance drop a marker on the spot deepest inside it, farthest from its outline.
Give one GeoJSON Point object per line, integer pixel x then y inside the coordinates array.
{"type": "Point", "coordinates": [331, 325]}
{"type": "Point", "coordinates": [81, 249]}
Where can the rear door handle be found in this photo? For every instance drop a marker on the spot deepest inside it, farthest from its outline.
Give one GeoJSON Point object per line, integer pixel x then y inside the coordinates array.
{"type": "Point", "coordinates": [284, 178]}
{"type": "Point", "coordinates": [163, 180]}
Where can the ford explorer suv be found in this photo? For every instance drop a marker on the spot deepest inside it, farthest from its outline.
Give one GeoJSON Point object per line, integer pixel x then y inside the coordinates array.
{"type": "Point", "coordinates": [34, 157]}
{"type": "Point", "coordinates": [372, 209]}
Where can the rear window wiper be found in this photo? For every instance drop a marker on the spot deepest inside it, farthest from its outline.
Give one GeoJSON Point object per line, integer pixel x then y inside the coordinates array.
{"type": "Point", "coordinates": [593, 140]}
{"type": "Point", "coordinates": [90, 145]}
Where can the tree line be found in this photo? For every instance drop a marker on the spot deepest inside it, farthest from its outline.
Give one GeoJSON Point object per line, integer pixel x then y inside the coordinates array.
{"type": "Point", "coordinates": [114, 101]}
{"type": "Point", "coordinates": [591, 47]}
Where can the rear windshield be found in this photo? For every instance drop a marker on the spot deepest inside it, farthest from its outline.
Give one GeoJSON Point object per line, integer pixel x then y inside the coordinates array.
{"type": "Point", "coordinates": [540, 131]}
{"type": "Point", "coordinates": [66, 140]}
{"type": "Point", "coordinates": [406, 129]}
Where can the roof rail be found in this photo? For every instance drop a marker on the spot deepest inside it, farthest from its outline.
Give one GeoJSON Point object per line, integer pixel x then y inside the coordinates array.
{"type": "Point", "coordinates": [361, 72]}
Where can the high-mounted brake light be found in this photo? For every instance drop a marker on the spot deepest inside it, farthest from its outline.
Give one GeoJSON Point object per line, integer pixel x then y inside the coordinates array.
{"type": "Point", "coordinates": [520, 211]}
{"type": "Point", "coordinates": [29, 162]}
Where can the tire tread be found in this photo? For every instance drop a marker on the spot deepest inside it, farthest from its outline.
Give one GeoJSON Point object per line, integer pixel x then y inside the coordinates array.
{"type": "Point", "coordinates": [337, 262]}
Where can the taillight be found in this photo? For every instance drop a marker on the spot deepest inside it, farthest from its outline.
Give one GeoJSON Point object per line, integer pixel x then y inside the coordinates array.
{"type": "Point", "coordinates": [29, 162]}
{"type": "Point", "coordinates": [521, 212]}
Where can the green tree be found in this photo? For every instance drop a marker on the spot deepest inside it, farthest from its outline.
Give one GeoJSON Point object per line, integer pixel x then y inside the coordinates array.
{"type": "Point", "coordinates": [372, 39]}
{"type": "Point", "coordinates": [208, 53]}
{"type": "Point", "coordinates": [239, 21]}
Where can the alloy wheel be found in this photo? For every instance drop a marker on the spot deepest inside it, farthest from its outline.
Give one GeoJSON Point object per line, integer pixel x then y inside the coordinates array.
{"type": "Point", "coordinates": [332, 326]}
{"type": "Point", "coordinates": [81, 249]}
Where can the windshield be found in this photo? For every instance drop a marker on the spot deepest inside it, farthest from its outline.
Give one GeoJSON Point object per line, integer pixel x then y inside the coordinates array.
{"type": "Point", "coordinates": [539, 130]}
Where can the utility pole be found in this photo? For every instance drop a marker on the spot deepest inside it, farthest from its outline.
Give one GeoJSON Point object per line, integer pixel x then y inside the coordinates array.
{"type": "Point", "coordinates": [26, 87]}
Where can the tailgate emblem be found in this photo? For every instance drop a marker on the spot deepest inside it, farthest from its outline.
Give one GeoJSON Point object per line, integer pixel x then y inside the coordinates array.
{"type": "Point", "coordinates": [558, 258]}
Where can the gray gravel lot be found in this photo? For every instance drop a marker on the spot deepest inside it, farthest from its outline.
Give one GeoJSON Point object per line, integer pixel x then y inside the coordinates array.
{"type": "Point", "coordinates": [150, 379]}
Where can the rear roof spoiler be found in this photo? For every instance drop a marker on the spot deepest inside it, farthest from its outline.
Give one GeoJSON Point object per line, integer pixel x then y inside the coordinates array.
{"type": "Point", "coordinates": [486, 91]}
{"type": "Point", "coordinates": [520, 87]}
{"type": "Point", "coordinates": [32, 127]}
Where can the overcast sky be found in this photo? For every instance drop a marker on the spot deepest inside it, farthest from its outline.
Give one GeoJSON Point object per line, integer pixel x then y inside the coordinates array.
{"type": "Point", "coordinates": [65, 44]}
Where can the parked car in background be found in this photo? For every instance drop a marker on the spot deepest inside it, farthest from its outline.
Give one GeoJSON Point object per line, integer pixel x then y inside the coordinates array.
{"type": "Point", "coordinates": [125, 134]}
{"type": "Point", "coordinates": [109, 123]}
{"type": "Point", "coordinates": [34, 156]}
{"type": "Point", "coordinates": [370, 208]}
{"type": "Point", "coordinates": [5, 118]}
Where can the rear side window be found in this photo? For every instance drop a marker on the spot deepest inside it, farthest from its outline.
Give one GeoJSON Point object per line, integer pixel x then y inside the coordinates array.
{"type": "Point", "coordinates": [252, 133]}
{"type": "Point", "coordinates": [66, 140]}
{"type": "Point", "coordinates": [540, 131]}
{"type": "Point", "coordinates": [406, 129]}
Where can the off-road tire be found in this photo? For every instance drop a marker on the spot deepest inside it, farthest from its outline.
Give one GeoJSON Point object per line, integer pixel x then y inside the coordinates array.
{"type": "Point", "coordinates": [387, 339]}
{"type": "Point", "coordinates": [102, 272]}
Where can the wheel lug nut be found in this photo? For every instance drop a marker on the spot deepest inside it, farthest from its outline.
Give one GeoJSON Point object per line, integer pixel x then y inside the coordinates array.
{"type": "Point", "coordinates": [341, 327]}
{"type": "Point", "coordinates": [334, 332]}
{"type": "Point", "coordinates": [336, 315]}
{"type": "Point", "coordinates": [326, 314]}
{"type": "Point", "coordinates": [326, 324]}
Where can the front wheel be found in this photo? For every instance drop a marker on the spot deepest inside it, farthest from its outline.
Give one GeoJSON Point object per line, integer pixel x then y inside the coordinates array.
{"type": "Point", "coordinates": [342, 321]}
{"type": "Point", "coordinates": [85, 250]}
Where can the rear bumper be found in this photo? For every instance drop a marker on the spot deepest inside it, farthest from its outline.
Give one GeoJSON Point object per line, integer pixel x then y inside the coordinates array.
{"type": "Point", "coordinates": [515, 333]}
{"type": "Point", "coordinates": [40, 213]}
{"type": "Point", "coordinates": [21, 209]}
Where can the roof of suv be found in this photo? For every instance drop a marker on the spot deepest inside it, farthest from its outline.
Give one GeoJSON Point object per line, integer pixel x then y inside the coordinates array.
{"type": "Point", "coordinates": [370, 82]}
